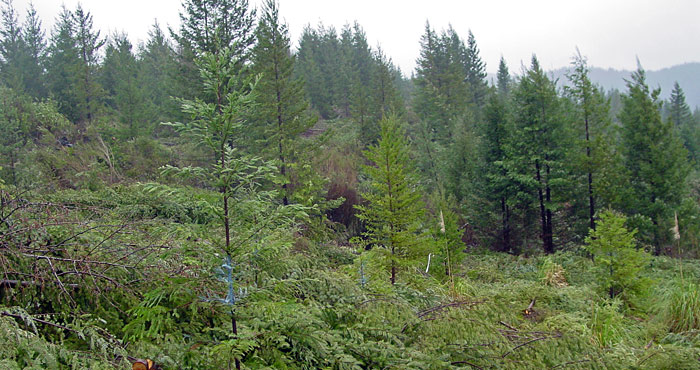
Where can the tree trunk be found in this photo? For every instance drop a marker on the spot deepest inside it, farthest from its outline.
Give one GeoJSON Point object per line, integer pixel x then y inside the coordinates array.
{"type": "Point", "coordinates": [393, 267]}
{"type": "Point", "coordinates": [549, 242]}
{"type": "Point", "coordinates": [543, 213]}
{"type": "Point", "coordinates": [591, 200]}
{"type": "Point", "coordinates": [280, 136]}
{"type": "Point", "coordinates": [505, 225]}
{"type": "Point", "coordinates": [234, 328]}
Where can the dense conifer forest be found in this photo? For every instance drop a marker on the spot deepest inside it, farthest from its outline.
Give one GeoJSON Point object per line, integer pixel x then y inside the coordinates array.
{"type": "Point", "coordinates": [217, 198]}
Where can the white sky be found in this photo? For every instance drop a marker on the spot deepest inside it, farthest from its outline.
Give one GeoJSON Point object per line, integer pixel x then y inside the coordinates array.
{"type": "Point", "coordinates": [611, 33]}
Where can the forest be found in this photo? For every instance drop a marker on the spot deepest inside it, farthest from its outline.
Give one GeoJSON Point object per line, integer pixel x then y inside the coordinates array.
{"type": "Point", "coordinates": [221, 196]}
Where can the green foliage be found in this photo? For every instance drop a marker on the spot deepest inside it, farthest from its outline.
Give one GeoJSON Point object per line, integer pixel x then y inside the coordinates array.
{"type": "Point", "coordinates": [684, 124]}
{"type": "Point", "coordinates": [210, 26]}
{"type": "Point", "coordinates": [393, 211]}
{"type": "Point", "coordinates": [552, 273]}
{"type": "Point", "coordinates": [495, 185]}
{"type": "Point", "coordinates": [281, 113]}
{"type": "Point", "coordinates": [619, 264]}
{"type": "Point", "coordinates": [345, 78]}
{"type": "Point", "coordinates": [536, 154]}
{"type": "Point", "coordinates": [682, 309]}
{"type": "Point", "coordinates": [448, 239]}
{"type": "Point", "coordinates": [607, 322]}
{"type": "Point", "coordinates": [119, 77]}
{"type": "Point", "coordinates": [654, 157]}
{"type": "Point", "coordinates": [96, 269]}
{"type": "Point", "coordinates": [596, 159]}
{"type": "Point", "coordinates": [22, 50]}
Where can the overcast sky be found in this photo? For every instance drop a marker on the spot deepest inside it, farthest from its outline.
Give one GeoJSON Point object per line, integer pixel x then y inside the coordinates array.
{"type": "Point", "coordinates": [611, 33]}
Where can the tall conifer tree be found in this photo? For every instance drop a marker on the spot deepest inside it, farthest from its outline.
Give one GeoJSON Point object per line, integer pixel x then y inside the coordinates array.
{"type": "Point", "coordinates": [35, 44]}
{"type": "Point", "coordinates": [281, 107]}
{"type": "Point", "coordinates": [210, 26]}
{"type": "Point", "coordinates": [88, 44]}
{"type": "Point", "coordinates": [680, 115]}
{"type": "Point", "coordinates": [537, 153]}
{"type": "Point", "coordinates": [120, 80]}
{"type": "Point", "coordinates": [475, 73]}
{"type": "Point", "coordinates": [653, 155]}
{"type": "Point", "coordinates": [157, 69]}
{"type": "Point", "coordinates": [498, 187]}
{"type": "Point", "coordinates": [63, 64]}
{"type": "Point", "coordinates": [592, 114]}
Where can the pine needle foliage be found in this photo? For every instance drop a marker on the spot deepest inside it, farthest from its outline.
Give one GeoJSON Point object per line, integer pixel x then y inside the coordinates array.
{"type": "Point", "coordinates": [394, 207]}
{"type": "Point", "coordinates": [618, 262]}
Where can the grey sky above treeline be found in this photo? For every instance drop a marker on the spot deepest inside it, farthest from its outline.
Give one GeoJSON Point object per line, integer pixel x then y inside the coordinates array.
{"type": "Point", "coordinates": [610, 33]}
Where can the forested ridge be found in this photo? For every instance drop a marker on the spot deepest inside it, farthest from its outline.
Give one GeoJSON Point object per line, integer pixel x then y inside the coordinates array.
{"type": "Point", "coordinates": [215, 198]}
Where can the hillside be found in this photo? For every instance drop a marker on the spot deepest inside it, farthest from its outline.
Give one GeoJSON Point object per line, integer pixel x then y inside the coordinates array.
{"type": "Point", "coordinates": [687, 75]}
{"type": "Point", "coordinates": [217, 199]}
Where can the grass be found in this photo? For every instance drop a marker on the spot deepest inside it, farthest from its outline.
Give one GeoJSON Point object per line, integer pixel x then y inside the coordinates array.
{"type": "Point", "coordinates": [683, 309]}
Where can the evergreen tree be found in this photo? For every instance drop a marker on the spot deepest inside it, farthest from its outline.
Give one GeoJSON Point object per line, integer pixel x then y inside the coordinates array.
{"type": "Point", "coordinates": [682, 118]}
{"type": "Point", "coordinates": [346, 72]}
{"type": "Point", "coordinates": [362, 63]}
{"type": "Point", "coordinates": [619, 263]}
{"type": "Point", "coordinates": [653, 155]}
{"type": "Point", "coordinates": [281, 107]}
{"type": "Point", "coordinates": [384, 96]}
{"type": "Point", "coordinates": [429, 103]}
{"type": "Point", "coordinates": [496, 185]}
{"type": "Point", "coordinates": [503, 79]}
{"type": "Point", "coordinates": [209, 26]}
{"type": "Point", "coordinates": [63, 64]}
{"type": "Point", "coordinates": [460, 168]}
{"type": "Point", "coordinates": [475, 73]}
{"type": "Point", "coordinates": [14, 131]}
{"type": "Point", "coordinates": [120, 81]}
{"type": "Point", "coordinates": [592, 110]}
{"type": "Point", "coordinates": [442, 92]}
{"type": "Point", "coordinates": [35, 44]}
{"type": "Point", "coordinates": [394, 208]}
{"type": "Point", "coordinates": [309, 70]}
{"type": "Point", "coordinates": [245, 209]}
{"type": "Point", "coordinates": [157, 69]}
{"type": "Point", "coordinates": [12, 47]}
{"type": "Point", "coordinates": [537, 153]}
{"type": "Point", "coordinates": [597, 160]}
{"type": "Point", "coordinates": [88, 44]}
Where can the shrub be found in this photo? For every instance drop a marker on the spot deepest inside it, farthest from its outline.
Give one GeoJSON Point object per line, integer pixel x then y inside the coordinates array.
{"type": "Point", "coordinates": [618, 263]}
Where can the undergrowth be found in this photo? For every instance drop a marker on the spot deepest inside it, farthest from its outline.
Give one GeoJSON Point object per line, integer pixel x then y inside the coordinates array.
{"type": "Point", "coordinates": [311, 302]}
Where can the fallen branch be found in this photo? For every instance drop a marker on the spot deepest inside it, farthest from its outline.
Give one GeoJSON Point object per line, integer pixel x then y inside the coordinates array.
{"type": "Point", "coordinates": [14, 283]}
{"type": "Point", "coordinates": [557, 335]}
{"type": "Point", "coordinates": [467, 363]}
{"type": "Point", "coordinates": [424, 315]}
{"type": "Point", "coordinates": [5, 313]}
{"type": "Point", "coordinates": [507, 326]}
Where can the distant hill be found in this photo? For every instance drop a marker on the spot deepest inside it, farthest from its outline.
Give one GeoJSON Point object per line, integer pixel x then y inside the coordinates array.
{"type": "Point", "coordinates": [687, 75]}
